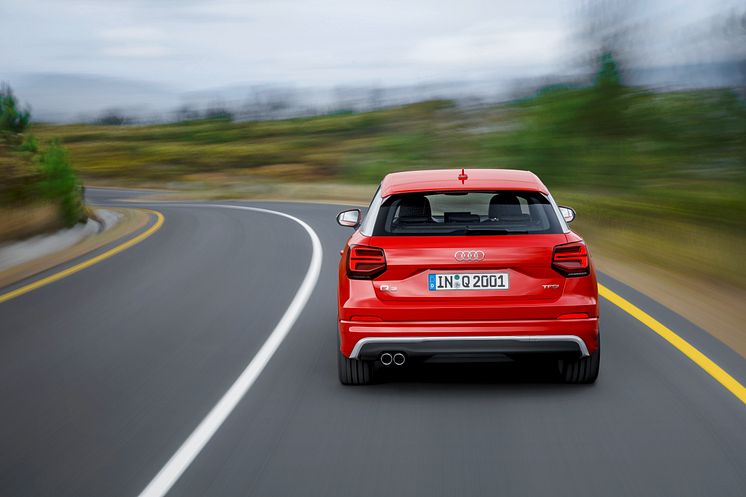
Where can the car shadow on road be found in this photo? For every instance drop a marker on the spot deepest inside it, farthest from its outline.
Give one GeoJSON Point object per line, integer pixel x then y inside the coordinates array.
{"type": "Point", "coordinates": [501, 373]}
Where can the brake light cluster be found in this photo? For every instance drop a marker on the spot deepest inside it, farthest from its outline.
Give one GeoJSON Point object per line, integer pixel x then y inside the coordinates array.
{"type": "Point", "coordinates": [365, 263]}
{"type": "Point", "coordinates": [571, 259]}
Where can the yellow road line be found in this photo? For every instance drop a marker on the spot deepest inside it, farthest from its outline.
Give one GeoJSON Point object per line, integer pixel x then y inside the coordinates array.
{"type": "Point", "coordinates": [87, 263]}
{"type": "Point", "coordinates": [684, 347]}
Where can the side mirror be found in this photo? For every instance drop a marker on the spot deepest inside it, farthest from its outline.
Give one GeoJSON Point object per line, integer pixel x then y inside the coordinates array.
{"type": "Point", "coordinates": [568, 213]}
{"type": "Point", "coordinates": [350, 218]}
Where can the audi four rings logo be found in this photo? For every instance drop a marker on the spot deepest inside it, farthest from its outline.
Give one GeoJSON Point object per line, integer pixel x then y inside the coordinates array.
{"type": "Point", "coordinates": [469, 255]}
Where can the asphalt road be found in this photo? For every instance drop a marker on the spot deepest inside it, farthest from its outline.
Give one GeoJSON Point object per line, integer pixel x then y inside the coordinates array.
{"type": "Point", "coordinates": [105, 373]}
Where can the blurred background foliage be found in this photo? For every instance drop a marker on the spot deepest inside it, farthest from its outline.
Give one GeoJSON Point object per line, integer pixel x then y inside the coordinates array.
{"type": "Point", "coordinates": [661, 174]}
{"type": "Point", "coordinates": [39, 190]}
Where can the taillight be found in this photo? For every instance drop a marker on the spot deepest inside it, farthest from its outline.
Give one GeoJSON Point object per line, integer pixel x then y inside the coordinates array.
{"type": "Point", "coordinates": [571, 259]}
{"type": "Point", "coordinates": [365, 263]}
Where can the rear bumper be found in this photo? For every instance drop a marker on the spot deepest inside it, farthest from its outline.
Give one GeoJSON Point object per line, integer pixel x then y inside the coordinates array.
{"type": "Point", "coordinates": [372, 348]}
{"type": "Point", "coordinates": [366, 340]}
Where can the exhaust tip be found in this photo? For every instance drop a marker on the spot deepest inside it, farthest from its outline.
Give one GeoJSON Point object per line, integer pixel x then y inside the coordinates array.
{"type": "Point", "coordinates": [399, 358]}
{"type": "Point", "coordinates": [386, 359]}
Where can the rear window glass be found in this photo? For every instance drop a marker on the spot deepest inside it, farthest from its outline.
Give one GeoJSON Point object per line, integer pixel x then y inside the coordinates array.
{"type": "Point", "coordinates": [466, 213]}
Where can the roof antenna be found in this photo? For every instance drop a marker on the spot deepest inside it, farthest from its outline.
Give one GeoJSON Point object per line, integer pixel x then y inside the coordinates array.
{"type": "Point", "coordinates": [463, 177]}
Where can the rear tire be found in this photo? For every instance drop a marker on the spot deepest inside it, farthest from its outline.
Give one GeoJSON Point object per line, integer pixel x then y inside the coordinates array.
{"type": "Point", "coordinates": [583, 370]}
{"type": "Point", "coordinates": [354, 371]}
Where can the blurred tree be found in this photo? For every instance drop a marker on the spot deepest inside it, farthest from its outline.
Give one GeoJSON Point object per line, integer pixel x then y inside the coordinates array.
{"type": "Point", "coordinates": [608, 75]}
{"type": "Point", "coordinates": [610, 28]}
{"type": "Point", "coordinates": [604, 109]}
{"type": "Point", "coordinates": [609, 33]}
{"type": "Point", "coordinates": [113, 117]}
{"type": "Point", "coordinates": [13, 120]}
{"type": "Point", "coordinates": [15, 172]}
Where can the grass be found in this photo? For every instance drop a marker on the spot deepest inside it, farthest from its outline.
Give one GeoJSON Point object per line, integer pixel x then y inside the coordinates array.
{"type": "Point", "coordinates": [642, 229]}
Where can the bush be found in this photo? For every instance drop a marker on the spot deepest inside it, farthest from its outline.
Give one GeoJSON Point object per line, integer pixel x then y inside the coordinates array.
{"type": "Point", "coordinates": [59, 183]}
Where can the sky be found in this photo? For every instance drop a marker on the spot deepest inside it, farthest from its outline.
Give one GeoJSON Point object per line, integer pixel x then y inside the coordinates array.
{"type": "Point", "coordinates": [187, 45]}
{"type": "Point", "coordinates": [197, 44]}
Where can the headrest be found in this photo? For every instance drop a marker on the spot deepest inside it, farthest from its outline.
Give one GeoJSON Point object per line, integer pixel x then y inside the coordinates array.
{"type": "Point", "coordinates": [505, 205]}
{"type": "Point", "coordinates": [414, 206]}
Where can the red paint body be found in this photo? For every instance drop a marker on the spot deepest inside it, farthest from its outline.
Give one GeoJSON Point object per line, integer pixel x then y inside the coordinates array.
{"type": "Point", "coordinates": [540, 300]}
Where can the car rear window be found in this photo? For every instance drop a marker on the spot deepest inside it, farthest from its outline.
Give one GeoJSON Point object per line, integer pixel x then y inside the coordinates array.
{"type": "Point", "coordinates": [503, 212]}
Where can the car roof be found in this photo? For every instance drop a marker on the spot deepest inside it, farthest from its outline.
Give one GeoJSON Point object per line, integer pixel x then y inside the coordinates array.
{"type": "Point", "coordinates": [449, 180]}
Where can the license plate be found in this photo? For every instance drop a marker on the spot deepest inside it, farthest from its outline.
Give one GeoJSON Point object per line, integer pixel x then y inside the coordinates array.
{"type": "Point", "coordinates": [468, 281]}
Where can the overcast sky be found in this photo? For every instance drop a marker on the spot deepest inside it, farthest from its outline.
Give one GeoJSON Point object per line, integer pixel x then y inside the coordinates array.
{"type": "Point", "coordinates": [195, 44]}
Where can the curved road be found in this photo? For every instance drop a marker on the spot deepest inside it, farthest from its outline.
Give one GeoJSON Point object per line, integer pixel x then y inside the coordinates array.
{"type": "Point", "coordinates": [104, 374]}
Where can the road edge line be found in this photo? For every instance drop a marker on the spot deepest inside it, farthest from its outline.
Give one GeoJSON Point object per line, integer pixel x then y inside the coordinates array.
{"type": "Point", "coordinates": [88, 262]}
{"type": "Point", "coordinates": [203, 433]}
{"type": "Point", "coordinates": [700, 359]}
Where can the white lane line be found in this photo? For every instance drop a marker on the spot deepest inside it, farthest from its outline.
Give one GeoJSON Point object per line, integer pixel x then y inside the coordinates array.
{"type": "Point", "coordinates": [193, 445]}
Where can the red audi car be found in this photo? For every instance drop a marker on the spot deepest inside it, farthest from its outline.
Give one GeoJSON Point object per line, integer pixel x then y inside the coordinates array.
{"type": "Point", "coordinates": [465, 265]}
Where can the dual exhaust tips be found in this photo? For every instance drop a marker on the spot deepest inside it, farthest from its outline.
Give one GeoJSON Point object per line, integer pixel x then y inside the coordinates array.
{"type": "Point", "coordinates": [396, 358]}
